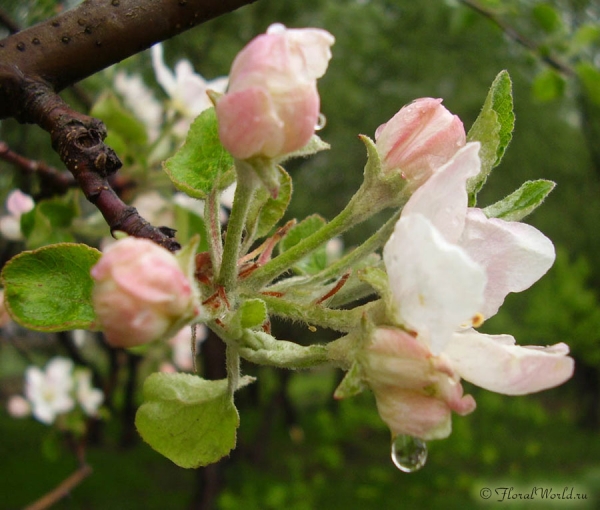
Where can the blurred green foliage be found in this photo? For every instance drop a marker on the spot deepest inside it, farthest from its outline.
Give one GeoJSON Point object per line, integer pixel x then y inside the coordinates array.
{"type": "Point", "coordinates": [298, 449]}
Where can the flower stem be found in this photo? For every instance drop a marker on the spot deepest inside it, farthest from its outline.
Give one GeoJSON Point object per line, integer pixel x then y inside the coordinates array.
{"type": "Point", "coordinates": [213, 226]}
{"type": "Point", "coordinates": [246, 184]}
{"type": "Point", "coordinates": [357, 210]}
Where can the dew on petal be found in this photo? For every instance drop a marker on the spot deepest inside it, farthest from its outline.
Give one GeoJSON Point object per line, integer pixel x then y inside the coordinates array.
{"type": "Point", "coordinates": [321, 122]}
{"type": "Point", "coordinates": [409, 454]}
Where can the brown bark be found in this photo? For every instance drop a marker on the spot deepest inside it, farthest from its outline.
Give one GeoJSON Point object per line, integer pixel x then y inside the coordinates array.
{"type": "Point", "coordinates": [38, 62]}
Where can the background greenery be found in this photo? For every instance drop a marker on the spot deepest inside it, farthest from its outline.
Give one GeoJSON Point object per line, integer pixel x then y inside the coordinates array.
{"type": "Point", "coordinates": [299, 449]}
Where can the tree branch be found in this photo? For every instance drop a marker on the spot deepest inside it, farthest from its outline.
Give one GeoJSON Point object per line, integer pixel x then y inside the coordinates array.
{"type": "Point", "coordinates": [38, 62]}
{"type": "Point", "coordinates": [60, 181]}
{"type": "Point", "coordinates": [521, 39]}
{"type": "Point", "coordinates": [61, 490]}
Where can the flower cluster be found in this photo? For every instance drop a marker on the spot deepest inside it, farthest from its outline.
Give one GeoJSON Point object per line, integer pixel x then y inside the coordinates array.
{"type": "Point", "coordinates": [55, 391]}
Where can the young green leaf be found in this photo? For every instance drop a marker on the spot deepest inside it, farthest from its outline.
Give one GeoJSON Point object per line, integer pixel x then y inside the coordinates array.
{"type": "Point", "coordinates": [202, 160]}
{"type": "Point", "coordinates": [50, 289]}
{"type": "Point", "coordinates": [189, 420]}
{"type": "Point", "coordinates": [548, 85]}
{"type": "Point", "coordinates": [317, 260]}
{"type": "Point", "coordinates": [493, 129]}
{"type": "Point", "coordinates": [352, 384]}
{"type": "Point", "coordinates": [253, 313]}
{"type": "Point", "coordinates": [521, 202]}
{"type": "Point", "coordinates": [266, 211]}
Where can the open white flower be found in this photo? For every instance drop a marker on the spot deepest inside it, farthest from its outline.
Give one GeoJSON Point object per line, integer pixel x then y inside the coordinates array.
{"type": "Point", "coordinates": [450, 267]}
{"type": "Point", "coordinates": [88, 397]}
{"type": "Point", "coordinates": [49, 391]}
{"type": "Point", "coordinates": [141, 101]}
{"type": "Point", "coordinates": [186, 88]}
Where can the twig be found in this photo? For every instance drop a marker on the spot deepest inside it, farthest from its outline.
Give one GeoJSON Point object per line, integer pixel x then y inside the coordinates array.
{"type": "Point", "coordinates": [61, 181]}
{"type": "Point", "coordinates": [521, 39]}
{"type": "Point", "coordinates": [61, 490]}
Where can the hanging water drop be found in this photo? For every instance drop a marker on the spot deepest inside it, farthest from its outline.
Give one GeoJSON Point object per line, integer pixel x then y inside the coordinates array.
{"type": "Point", "coordinates": [409, 454]}
{"type": "Point", "coordinates": [321, 122]}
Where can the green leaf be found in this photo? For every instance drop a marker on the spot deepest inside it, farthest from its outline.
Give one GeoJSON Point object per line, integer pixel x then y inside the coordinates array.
{"type": "Point", "coordinates": [547, 17]}
{"type": "Point", "coordinates": [49, 221]}
{"type": "Point", "coordinates": [253, 313]}
{"type": "Point", "coordinates": [50, 289]}
{"type": "Point", "coordinates": [202, 160]}
{"type": "Point", "coordinates": [266, 211]}
{"type": "Point", "coordinates": [120, 122]}
{"type": "Point", "coordinates": [189, 420]}
{"type": "Point", "coordinates": [352, 384]}
{"type": "Point", "coordinates": [314, 145]}
{"type": "Point", "coordinates": [521, 202]}
{"type": "Point", "coordinates": [548, 85]}
{"type": "Point", "coordinates": [590, 78]}
{"type": "Point", "coordinates": [493, 129]}
{"type": "Point", "coordinates": [317, 260]}
{"type": "Point", "coordinates": [586, 35]}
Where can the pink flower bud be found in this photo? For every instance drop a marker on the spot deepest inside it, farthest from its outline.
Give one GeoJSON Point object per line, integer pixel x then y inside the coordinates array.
{"type": "Point", "coordinates": [272, 105]}
{"type": "Point", "coordinates": [419, 139]}
{"type": "Point", "coordinates": [416, 392]}
{"type": "Point", "coordinates": [141, 294]}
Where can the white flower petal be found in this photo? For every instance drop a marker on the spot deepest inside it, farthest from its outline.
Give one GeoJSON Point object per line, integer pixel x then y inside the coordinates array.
{"type": "Point", "coordinates": [514, 255]}
{"type": "Point", "coordinates": [164, 76]}
{"type": "Point", "coordinates": [435, 285]}
{"type": "Point", "coordinates": [496, 364]}
{"type": "Point", "coordinates": [443, 199]}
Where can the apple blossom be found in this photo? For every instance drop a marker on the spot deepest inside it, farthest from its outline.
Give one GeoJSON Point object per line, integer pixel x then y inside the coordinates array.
{"type": "Point", "coordinates": [416, 392]}
{"type": "Point", "coordinates": [186, 88]}
{"type": "Point", "coordinates": [272, 105]}
{"type": "Point", "coordinates": [419, 139]}
{"type": "Point", "coordinates": [88, 397]}
{"type": "Point", "coordinates": [141, 101]}
{"type": "Point", "coordinates": [450, 267]}
{"type": "Point", "coordinates": [17, 204]}
{"type": "Point", "coordinates": [49, 391]}
{"type": "Point", "coordinates": [141, 294]}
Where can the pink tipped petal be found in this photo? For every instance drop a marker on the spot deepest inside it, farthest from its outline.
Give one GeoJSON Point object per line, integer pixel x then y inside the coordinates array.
{"type": "Point", "coordinates": [419, 139]}
{"type": "Point", "coordinates": [413, 413]}
{"type": "Point", "coordinates": [496, 364]}
{"type": "Point", "coordinates": [514, 255]}
{"type": "Point", "coordinates": [272, 104]}
{"type": "Point", "coordinates": [435, 285]}
{"type": "Point", "coordinates": [443, 198]}
{"type": "Point", "coordinates": [248, 123]}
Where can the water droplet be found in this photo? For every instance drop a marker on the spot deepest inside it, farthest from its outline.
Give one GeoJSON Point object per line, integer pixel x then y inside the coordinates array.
{"type": "Point", "coordinates": [321, 122]}
{"type": "Point", "coordinates": [409, 453]}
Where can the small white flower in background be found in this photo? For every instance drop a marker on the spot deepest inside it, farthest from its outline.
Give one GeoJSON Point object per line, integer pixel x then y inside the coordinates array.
{"type": "Point", "coordinates": [141, 101]}
{"type": "Point", "coordinates": [50, 391]}
{"type": "Point", "coordinates": [186, 88]}
{"type": "Point", "coordinates": [18, 407]}
{"type": "Point", "coordinates": [56, 390]}
{"type": "Point", "coordinates": [88, 397]}
{"type": "Point", "coordinates": [17, 204]}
